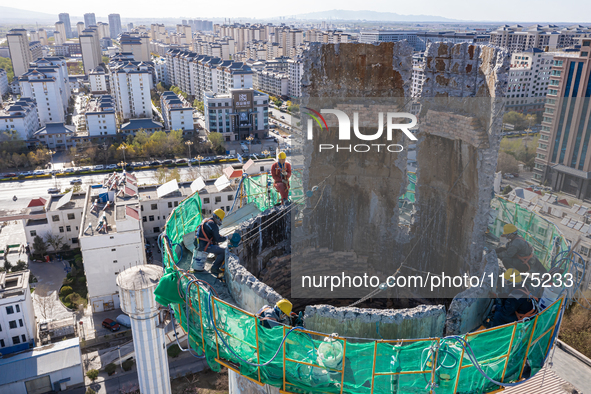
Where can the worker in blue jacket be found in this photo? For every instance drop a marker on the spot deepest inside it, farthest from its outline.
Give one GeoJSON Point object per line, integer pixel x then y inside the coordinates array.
{"type": "Point", "coordinates": [516, 303]}
{"type": "Point", "coordinates": [208, 238]}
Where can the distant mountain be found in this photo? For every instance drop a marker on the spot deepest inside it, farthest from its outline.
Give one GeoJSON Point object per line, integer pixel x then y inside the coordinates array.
{"type": "Point", "coordinates": [371, 16]}
{"type": "Point", "coordinates": [15, 15]}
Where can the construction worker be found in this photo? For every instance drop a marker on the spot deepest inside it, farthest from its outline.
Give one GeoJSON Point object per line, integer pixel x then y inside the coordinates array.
{"type": "Point", "coordinates": [281, 172]}
{"type": "Point", "coordinates": [208, 237]}
{"type": "Point", "coordinates": [516, 302]}
{"type": "Point", "coordinates": [518, 254]}
{"type": "Point", "coordinates": [274, 316]}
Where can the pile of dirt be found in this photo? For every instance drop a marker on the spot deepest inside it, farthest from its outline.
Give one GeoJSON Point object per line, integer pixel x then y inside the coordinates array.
{"type": "Point", "coordinates": [204, 382]}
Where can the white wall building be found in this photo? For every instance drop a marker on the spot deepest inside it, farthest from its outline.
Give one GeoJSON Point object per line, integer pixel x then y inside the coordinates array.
{"type": "Point", "coordinates": [100, 116]}
{"type": "Point", "coordinates": [98, 81]}
{"type": "Point", "coordinates": [276, 83]}
{"type": "Point", "coordinates": [20, 52]}
{"type": "Point", "coordinates": [296, 70]}
{"type": "Point", "coordinates": [20, 118]}
{"type": "Point", "coordinates": [418, 74]}
{"type": "Point", "coordinates": [137, 44]}
{"type": "Point", "coordinates": [111, 239]}
{"type": "Point", "coordinates": [17, 315]}
{"type": "Point", "coordinates": [4, 89]}
{"type": "Point", "coordinates": [161, 70]}
{"type": "Point", "coordinates": [177, 115]}
{"type": "Point", "coordinates": [91, 48]}
{"type": "Point", "coordinates": [60, 27]}
{"type": "Point", "coordinates": [131, 83]}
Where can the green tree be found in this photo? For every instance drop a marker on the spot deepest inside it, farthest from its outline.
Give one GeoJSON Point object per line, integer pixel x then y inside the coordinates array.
{"type": "Point", "coordinates": [6, 64]}
{"type": "Point", "coordinates": [92, 374]}
{"type": "Point", "coordinates": [217, 142]}
{"type": "Point", "coordinates": [198, 105]}
{"type": "Point", "coordinates": [39, 245]}
{"type": "Point", "coordinates": [515, 118]}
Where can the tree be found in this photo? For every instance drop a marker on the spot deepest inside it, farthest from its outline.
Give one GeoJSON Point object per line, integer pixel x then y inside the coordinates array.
{"type": "Point", "coordinates": [164, 175]}
{"type": "Point", "coordinates": [92, 374]}
{"type": "Point", "coordinates": [55, 241]}
{"type": "Point", "coordinates": [7, 266]}
{"type": "Point", "coordinates": [198, 105]}
{"type": "Point", "coordinates": [160, 87]}
{"type": "Point", "coordinates": [46, 306]}
{"type": "Point", "coordinates": [39, 245]}
{"type": "Point", "coordinates": [160, 175]}
{"type": "Point", "coordinates": [507, 163]}
{"type": "Point", "coordinates": [217, 142]}
{"type": "Point", "coordinates": [515, 118]}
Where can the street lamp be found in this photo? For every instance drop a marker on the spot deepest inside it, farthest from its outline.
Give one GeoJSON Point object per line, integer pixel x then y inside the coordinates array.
{"type": "Point", "coordinates": [122, 147]}
{"type": "Point", "coordinates": [199, 158]}
{"type": "Point", "coordinates": [189, 143]}
{"type": "Point", "coordinates": [122, 164]}
{"type": "Point", "coordinates": [51, 153]}
{"type": "Point", "coordinates": [249, 139]}
{"type": "Point", "coordinates": [265, 153]}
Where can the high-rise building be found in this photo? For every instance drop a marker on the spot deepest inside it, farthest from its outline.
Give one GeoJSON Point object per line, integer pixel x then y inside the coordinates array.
{"type": "Point", "coordinates": [43, 37]}
{"type": "Point", "coordinates": [20, 118]}
{"type": "Point", "coordinates": [60, 37]}
{"type": "Point", "coordinates": [65, 18]}
{"type": "Point", "coordinates": [115, 25]}
{"type": "Point", "coordinates": [517, 38]}
{"type": "Point", "coordinates": [138, 44]}
{"type": "Point", "coordinates": [17, 314]}
{"type": "Point", "coordinates": [89, 19]}
{"type": "Point", "coordinates": [91, 49]}
{"type": "Point", "coordinates": [129, 26]}
{"type": "Point", "coordinates": [80, 28]}
{"type": "Point", "coordinates": [20, 53]}
{"type": "Point", "coordinates": [563, 157]}
{"type": "Point", "coordinates": [103, 30]}
{"type": "Point", "coordinates": [131, 83]}
{"type": "Point", "coordinates": [177, 115]}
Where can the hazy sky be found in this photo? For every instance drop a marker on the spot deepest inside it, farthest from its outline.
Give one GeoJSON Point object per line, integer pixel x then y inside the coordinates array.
{"type": "Point", "coordinates": [497, 10]}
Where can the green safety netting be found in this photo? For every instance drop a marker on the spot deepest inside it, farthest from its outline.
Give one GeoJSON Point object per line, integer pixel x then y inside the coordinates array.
{"type": "Point", "coordinates": [317, 363]}
{"type": "Point", "coordinates": [539, 232]}
{"type": "Point", "coordinates": [259, 189]}
{"type": "Point", "coordinates": [409, 195]}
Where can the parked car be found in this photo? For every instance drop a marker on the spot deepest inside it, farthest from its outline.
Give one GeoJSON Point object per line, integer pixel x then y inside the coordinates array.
{"type": "Point", "coordinates": [111, 166]}
{"type": "Point", "coordinates": [68, 170]}
{"type": "Point", "coordinates": [124, 320]}
{"type": "Point", "coordinates": [99, 167]}
{"type": "Point", "coordinates": [26, 173]}
{"type": "Point", "coordinates": [155, 163]}
{"type": "Point", "coordinates": [39, 173]}
{"type": "Point", "coordinates": [9, 175]}
{"type": "Point", "coordinates": [181, 161]}
{"type": "Point", "coordinates": [167, 161]}
{"type": "Point", "coordinates": [53, 190]}
{"type": "Point", "coordinates": [76, 181]}
{"type": "Point", "coordinates": [111, 325]}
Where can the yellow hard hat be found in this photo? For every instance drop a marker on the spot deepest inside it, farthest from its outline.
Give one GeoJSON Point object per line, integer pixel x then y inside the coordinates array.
{"type": "Point", "coordinates": [219, 213]}
{"type": "Point", "coordinates": [509, 229]}
{"type": "Point", "coordinates": [281, 155]}
{"type": "Point", "coordinates": [512, 275]}
{"type": "Point", "coordinates": [285, 306]}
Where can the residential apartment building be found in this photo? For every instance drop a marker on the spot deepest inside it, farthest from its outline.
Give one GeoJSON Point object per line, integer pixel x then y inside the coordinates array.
{"type": "Point", "coordinates": [271, 81]}
{"type": "Point", "coordinates": [115, 25]}
{"type": "Point", "coordinates": [529, 78]}
{"type": "Point", "coordinates": [161, 70]}
{"type": "Point", "coordinates": [64, 17]}
{"type": "Point", "coordinates": [130, 84]}
{"type": "Point", "coordinates": [47, 83]}
{"type": "Point", "coordinates": [20, 52]}
{"type": "Point", "coordinates": [295, 70]}
{"type": "Point", "coordinates": [136, 44]}
{"type": "Point", "coordinates": [98, 81]}
{"type": "Point", "coordinates": [17, 315]}
{"type": "Point", "coordinates": [89, 19]}
{"type": "Point", "coordinates": [377, 36]}
{"type": "Point", "coordinates": [326, 36]}
{"type": "Point", "coordinates": [518, 38]}
{"type": "Point", "coordinates": [178, 115]}
{"type": "Point", "coordinates": [100, 116]}
{"type": "Point", "coordinates": [60, 216]}
{"type": "Point", "coordinates": [418, 74]}
{"type": "Point", "coordinates": [111, 238]}
{"type": "Point", "coordinates": [56, 135]}
{"type": "Point", "coordinates": [4, 88]}
{"type": "Point", "coordinates": [80, 28]}
{"type": "Point", "coordinates": [563, 159]}
{"type": "Point", "coordinates": [59, 34]}
{"type": "Point", "coordinates": [238, 114]}
{"type": "Point", "coordinates": [20, 118]}
{"type": "Point", "coordinates": [91, 48]}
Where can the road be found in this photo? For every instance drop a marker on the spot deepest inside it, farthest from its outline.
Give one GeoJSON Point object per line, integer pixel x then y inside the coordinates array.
{"type": "Point", "coordinates": [34, 188]}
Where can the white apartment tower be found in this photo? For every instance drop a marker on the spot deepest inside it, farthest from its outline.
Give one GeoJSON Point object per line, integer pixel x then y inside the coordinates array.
{"type": "Point", "coordinates": [60, 28]}
{"type": "Point", "coordinates": [91, 49]}
{"type": "Point", "coordinates": [20, 53]}
{"type": "Point", "coordinates": [17, 315]}
{"type": "Point", "coordinates": [20, 118]}
{"type": "Point", "coordinates": [131, 83]}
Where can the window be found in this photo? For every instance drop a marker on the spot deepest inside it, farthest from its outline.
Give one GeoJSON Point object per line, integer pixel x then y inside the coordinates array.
{"type": "Point", "coordinates": [9, 310]}
{"type": "Point", "coordinates": [230, 197]}
{"type": "Point", "coordinates": [142, 208]}
{"type": "Point", "coordinates": [24, 338]}
{"type": "Point", "coordinates": [71, 216]}
{"type": "Point", "coordinates": [206, 200]}
{"type": "Point", "coordinates": [176, 203]}
{"type": "Point", "coordinates": [0, 328]}
{"type": "Point", "coordinates": [154, 207]}
{"type": "Point", "coordinates": [75, 240]}
{"type": "Point", "coordinates": [113, 250]}
{"type": "Point", "coordinates": [16, 340]}
{"type": "Point", "coordinates": [144, 219]}
{"type": "Point", "coordinates": [584, 251]}
{"type": "Point", "coordinates": [68, 228]}
{"type": "Point", "coordinates": [156, 229]}
{"type": "Point", "coordinates": [151, 218]}
{"type": "Point", "coordinates": [33, 233]}
{"type": "Point", "coordinates": [61, 229]}
{"type": "Point", "coordinates": [18, 308]}
{"type": "Point", "coordinates": [170, 204]}
{"type": "Point", "coordinates": [20, 322]}
{"type": "Point", "coordinates": [218, 199]}
{"type": "Point", "coordinates": [12, 324]}
{"type": "Point", "coordinates": [2, 343]}
{"type": "Point", "coordinates": [584, 54]}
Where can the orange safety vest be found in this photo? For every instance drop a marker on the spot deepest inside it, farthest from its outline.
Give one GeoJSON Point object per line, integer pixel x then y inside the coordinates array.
{"type": "Point", "coordinates": [525, 259]}
{"type": "Point", "coordinates": [521, 316]}
{"type": "Point", "coordinates": [206, 239]}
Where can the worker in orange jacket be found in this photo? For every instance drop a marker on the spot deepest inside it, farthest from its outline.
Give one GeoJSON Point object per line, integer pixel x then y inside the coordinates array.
{"type": "Point", "coordinates": [281, 172]}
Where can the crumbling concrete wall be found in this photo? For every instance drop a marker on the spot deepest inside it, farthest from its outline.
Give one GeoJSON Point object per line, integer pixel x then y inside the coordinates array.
{"type": "Point", "coordinates": [238, 384]}
{"type": "Point", "coordinates": [456, 155]}
{"type": "Point", "coordinates": [425, 321]}
{"type": "Point", "coordinates": [469, 308]}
